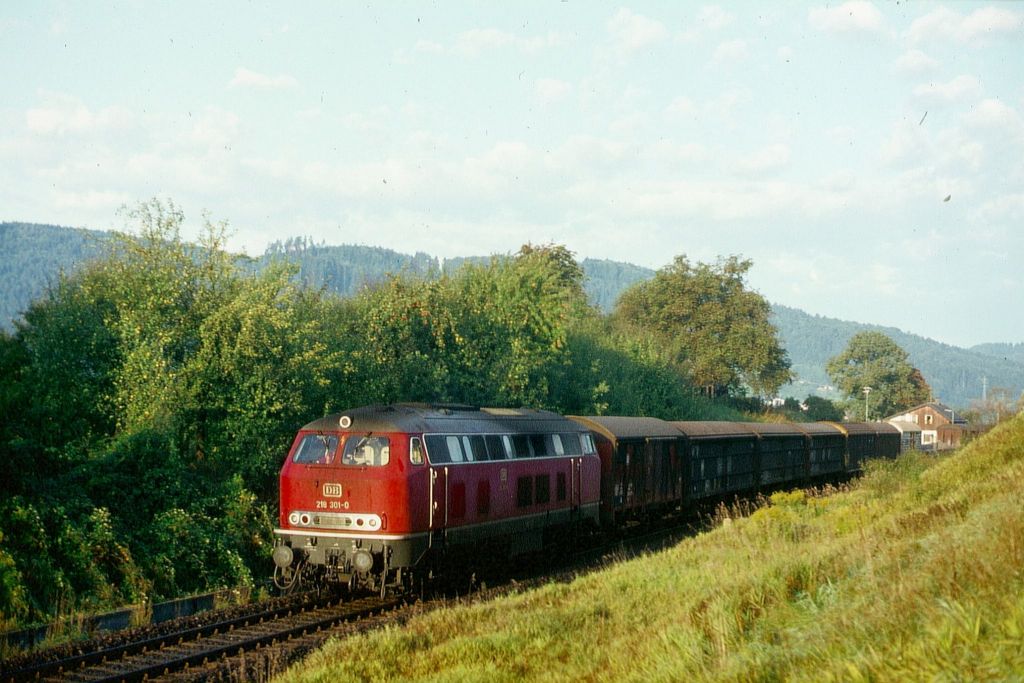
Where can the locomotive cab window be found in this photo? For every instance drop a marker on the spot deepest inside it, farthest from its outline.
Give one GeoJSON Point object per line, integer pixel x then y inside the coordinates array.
{"type": "Point", "coordinates": [415, 451]}
{"type": "Point", "coordinates": [316, 449]}
{"type": "Point", "coordinates": [367, 451]}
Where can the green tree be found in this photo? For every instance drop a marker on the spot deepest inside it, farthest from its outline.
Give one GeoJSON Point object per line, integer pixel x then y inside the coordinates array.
{"type": "Point", "coordinates": [714, 328]}
{"type": "Point", "coordinates": [149, 400]}
{"type": "Point", "coordinates": [489, 333]}
{"type": "Point", "coordinates": [819, 408]}
{"type": "Point", "coordinates": [871, 359]}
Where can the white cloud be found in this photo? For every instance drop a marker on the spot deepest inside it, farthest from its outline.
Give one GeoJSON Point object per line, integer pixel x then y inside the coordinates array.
{"type": "Point", "coordinates": [959, 88]}
{"type": "Point", "coordinates": [907, 143]}
{"type": "Point", "coordinates": [585, 155]}
{"type": "Point", "coordinates": [715, 18]}
{"type": "Point", "coordinates": [630, 125]}
{"type": "Point", "coordinates": [681, 106]}
{"type": "Point", "coordinates": [213, 128]}
{"type": "Point", "coordinates": [841, 135]}
{"type": "Point", "coordinates": [856, 16]}
{"type": "Point", "coordinates": [943, 25]}
{"type": "Point", "coordinates": [428, 47]}
{"type": "Point", "coordinates": [61, 114]}
{"type": "Point", "coordinates": [475, 41]}
{"type": "Point", "coordinates": [708, 20]}
{"type": "Point", "coordinates": [551, 89]}
{"type": "Point", "coordinates": [673, 153]}
{"type": "Point", "coordinates": [768, 158]}
{"type": "Point", "coordinates": [914, 62]}
{"type": "Point", "coordinates": [886, 279]}
{"type": "Point", "coordinates": [633, 32]}
{"type": "Point", "coordinates": [707, 200]}
{"type": "Point", "coordinates": [536, 44]}
{"type": "Point", "coordinates": [503, 159]}
{"type": "Point", "coordinates": [93, 200]}
{"type": "Point", "coordinates": [995, 115]}
{"type": "Point", "coordinates": [1007, 208]}
{"type": "Point", "coordinates": [723, 107]}
{"type": "Point", "coordinates": [246, 78]}
{"type": "Point", "coordinates": [730, 52]}
{"type": "Point", "coordinates": [372, 121]}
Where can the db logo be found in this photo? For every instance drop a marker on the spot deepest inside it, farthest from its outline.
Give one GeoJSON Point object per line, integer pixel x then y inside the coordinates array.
{"type": "Point", "coordinates": [332, 490]}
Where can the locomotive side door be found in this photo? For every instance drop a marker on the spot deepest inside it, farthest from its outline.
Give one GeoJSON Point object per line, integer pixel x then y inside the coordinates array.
{"type": "Point", "coordinates": [438, 502]}
{"type": "Point", "coordinates": [576, 475]}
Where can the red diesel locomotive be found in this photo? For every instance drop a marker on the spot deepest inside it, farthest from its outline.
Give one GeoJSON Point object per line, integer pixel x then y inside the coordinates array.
{"type": "Point", "coordinates": [373, 494]}
{"type": "Point", "coordinates": [370, 494]}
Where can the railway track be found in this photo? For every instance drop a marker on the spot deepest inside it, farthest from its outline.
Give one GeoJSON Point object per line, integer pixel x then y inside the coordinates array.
{"type": "Point", "coordinates": [237, 647]}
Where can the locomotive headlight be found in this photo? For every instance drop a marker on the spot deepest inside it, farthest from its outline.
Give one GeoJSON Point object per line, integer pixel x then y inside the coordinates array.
{"type": "Point", "coordinates": [362, 561]}
{"type": "Point", "coordinates": [283, 556]}
{"type": "Point", "coordinates": [293, 519]}
{"type": "Point", "coordinates": [305, 519]}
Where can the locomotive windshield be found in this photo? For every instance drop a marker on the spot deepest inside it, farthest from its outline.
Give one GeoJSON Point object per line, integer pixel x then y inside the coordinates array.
{"type": "Point", "coordinates": [316, 449]}
{"type": "Point", "coordinates": [356, 449]}
{"type": "Point", "coordinates": [367, 451]}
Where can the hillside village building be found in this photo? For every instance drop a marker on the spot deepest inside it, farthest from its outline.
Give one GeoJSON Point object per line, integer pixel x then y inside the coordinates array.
{"type": "Point", "coordinates": [941, 428]}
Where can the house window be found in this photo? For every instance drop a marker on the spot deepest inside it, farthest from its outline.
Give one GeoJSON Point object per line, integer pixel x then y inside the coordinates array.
{"type": "Point", "coordinates": [928, 419]}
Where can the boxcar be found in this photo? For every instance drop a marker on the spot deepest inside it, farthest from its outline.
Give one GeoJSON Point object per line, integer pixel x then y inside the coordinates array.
{"type": "Point", "coordinates": [888, 440]}
{"type": "Point", "coordinates": [722, 457]}
{"type": "Point", "coordinates": [826, 448]}
{"type": "Point", "coordinates": [782, 452]}
{"type": "Point", "coordinates": [860, 444]}
{"type": "Point", "coordinates": [642, 465]}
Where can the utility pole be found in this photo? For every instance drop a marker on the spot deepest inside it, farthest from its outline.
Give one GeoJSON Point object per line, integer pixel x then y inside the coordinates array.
{"type": "Point", "coordinates": [984, 387]}
{"type": "Point", "coordinates": [866, 390]}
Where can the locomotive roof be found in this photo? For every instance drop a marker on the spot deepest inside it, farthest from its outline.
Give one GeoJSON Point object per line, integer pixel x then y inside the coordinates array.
{"type": "Point", "coordinates": [445, 419]}
{"type": "Point", "coordinates": [617, 428]}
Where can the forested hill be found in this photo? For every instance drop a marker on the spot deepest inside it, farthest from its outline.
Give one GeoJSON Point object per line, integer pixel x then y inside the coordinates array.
{"type": "Point", "coordinates": [1014, 352]}
{"type": "Point", "coordinates": [34, 255]}
{"type": "Point", "coordinates": [956, 375]}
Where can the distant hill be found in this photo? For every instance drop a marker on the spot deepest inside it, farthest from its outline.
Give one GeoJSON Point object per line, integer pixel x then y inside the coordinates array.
{"type": "Point", "coordinates": [955, 374]}
{"type": "Point", "coordinates": [34, 255]}
{"type": "Point", "coordinates": [347, 268]}
{"type": "Point", "coordinates": [606, 280]}
{"type": "Point", "coordinates": [1014, 352]}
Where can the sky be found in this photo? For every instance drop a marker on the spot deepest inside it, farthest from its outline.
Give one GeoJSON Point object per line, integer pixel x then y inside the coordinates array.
{"type": "Point", "coordinates": [867, 157]}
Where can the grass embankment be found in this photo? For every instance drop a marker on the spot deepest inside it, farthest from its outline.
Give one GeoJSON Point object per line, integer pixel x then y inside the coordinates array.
{"type": "Point", "coordinates": [916, 573]}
